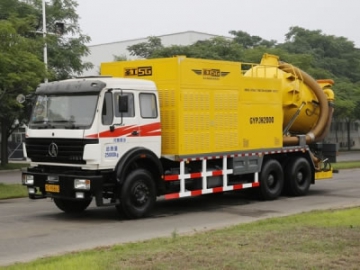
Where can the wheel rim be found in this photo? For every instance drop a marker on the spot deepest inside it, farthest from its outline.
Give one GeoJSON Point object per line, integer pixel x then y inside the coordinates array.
{"type": "Point", "coordinates": [140, 195]}
{"type": "Point", "coordinates": [271, 181]}
{"type": "Point", "coordinates": [300, 177]}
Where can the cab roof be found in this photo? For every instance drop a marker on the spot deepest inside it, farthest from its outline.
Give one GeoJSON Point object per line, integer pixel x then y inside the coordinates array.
{"type": "Point", "coordinates": [93, 85]}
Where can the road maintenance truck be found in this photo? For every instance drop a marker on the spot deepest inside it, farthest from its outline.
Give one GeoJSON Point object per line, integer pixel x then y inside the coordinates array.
{"type": "Point", "coordinates": [177, 127]}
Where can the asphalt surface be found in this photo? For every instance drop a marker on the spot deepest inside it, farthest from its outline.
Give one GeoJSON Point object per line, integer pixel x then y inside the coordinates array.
{"type": "Point", "coordinates": [35, 229]}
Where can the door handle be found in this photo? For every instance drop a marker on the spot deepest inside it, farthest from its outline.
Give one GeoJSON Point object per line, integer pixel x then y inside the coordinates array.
{"type": "Point", "coordinates": [135, 133]}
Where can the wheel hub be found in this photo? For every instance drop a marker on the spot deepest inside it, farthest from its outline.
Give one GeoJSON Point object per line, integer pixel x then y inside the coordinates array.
{"type": "Point", "coordinates": [271, 180]}
{"type": "Point", "coordinates": [299, 177]}
{"type": "Point", "coordinates": [141, 194]}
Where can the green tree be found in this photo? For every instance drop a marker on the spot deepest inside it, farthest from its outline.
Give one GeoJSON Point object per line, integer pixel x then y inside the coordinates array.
{"type": "Point", "coordinates": [146, 49]}
{"type": "Point", "coordinates": [215, 48]}
{"type": "Point", "coordinates": [242, 47]}
{"type": "Point", "coordinates": [21, 53]}
{"type": "Point", "coordinates": [337, 55]}
{"type": "Point", "coordinates": [120, 58]}
{"type": "Point", "coordinates": [65, 48]}
{"type": "Point", "coordinates": [249, 42]}
{"type": "Point", "coordinates": [331, 57]}
{"type": "Point", "coordinates": [20, 72]}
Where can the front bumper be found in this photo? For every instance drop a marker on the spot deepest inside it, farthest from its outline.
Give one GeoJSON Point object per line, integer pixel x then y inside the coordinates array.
{"type": "Point", "coordinates": [61, 185]}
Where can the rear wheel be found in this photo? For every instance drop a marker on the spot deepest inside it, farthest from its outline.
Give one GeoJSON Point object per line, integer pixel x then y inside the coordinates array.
{"type": "Point", "coordinates": [71, 206]}
{"type": "Point", "coordinates": [298, 177]}
{"type": "Point", "coordinates": [271, 180]}
{"type": "Point", "coordinates": [137, 196]}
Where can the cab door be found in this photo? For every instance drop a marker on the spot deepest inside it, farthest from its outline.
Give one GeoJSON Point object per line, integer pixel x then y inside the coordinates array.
{"type": "Point", "coordinates": [123, 130]}
{"type": "Point", "coordinates": [149, 121]}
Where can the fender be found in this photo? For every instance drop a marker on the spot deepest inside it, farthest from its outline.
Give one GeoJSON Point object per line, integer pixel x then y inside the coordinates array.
{"type": "Point", "coordinates": [134, 155]}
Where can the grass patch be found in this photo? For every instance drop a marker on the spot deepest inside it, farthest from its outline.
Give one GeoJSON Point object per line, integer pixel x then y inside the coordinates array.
{"type": "Point", "coordinates": [346, 165]}
{"type": "Point", "coordinates": [14, 166]}
{"type": "Point", "coordinates": [9, 191]}
{"type": "Point", "coordinates": [315, 240]}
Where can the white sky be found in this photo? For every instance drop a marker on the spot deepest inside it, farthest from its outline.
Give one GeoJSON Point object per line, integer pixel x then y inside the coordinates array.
{"type": "Point", "coordinates": [116, 20]}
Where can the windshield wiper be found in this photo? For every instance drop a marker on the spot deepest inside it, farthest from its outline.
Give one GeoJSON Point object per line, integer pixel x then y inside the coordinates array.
{"type": "Point", "coordinates": [60, 121]}
{"type": "Point", "coordinates": [42, 125]}
{"type": "Point", "coordinates": [68, 124]}
{"type": "Point", "coordinates": [56, 124]}
{"type": "Point", "coordinates": [71, 126]}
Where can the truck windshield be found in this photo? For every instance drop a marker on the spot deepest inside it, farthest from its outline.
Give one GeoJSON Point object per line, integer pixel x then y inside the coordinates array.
{"type": "Point", "coordinates": [69, 112]}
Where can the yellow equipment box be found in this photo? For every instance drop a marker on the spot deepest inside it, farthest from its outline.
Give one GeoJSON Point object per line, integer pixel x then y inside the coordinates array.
{"type": "Point", "coordinates": [208, 106]}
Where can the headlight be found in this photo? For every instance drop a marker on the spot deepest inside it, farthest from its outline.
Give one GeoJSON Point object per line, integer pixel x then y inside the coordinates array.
{"type": "Point", "coordinates": [28, 179]}
{"type": "Point", "coordinates": [82, 184]}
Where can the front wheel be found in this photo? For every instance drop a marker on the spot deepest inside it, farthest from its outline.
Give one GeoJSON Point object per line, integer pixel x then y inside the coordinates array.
{"type": "Point", "coordinates": [137, 196]}
{"type": "Point", "coordinates": [271, 180]}
{"type": "Point", "coordinates": [71, 206]}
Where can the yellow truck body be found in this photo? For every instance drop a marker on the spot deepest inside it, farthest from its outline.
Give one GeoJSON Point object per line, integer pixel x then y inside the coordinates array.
{"type": "Point", "coordinates": [209, 106]}
{"type": "Point", "coordinates": [190, 127]}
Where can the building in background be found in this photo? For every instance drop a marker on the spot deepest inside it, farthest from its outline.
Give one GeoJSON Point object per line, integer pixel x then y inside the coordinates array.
{"type": "Point", "coordinates": [106, 52]}
{"type": "Point", "coordinates": [339, 134]}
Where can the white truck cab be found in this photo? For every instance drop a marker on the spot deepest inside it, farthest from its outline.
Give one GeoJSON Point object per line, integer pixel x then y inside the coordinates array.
{"type": "Point", "coordinates": [83, 132]}
{"type": "Point", "coordinates": [119, 114]}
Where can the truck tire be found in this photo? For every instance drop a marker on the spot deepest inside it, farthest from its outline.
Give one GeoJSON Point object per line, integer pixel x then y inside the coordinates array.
{"type": "Point", "coordinates": [271, 180]}
{"type": "Point", "coordinates": [137, 196]}
{"type": "Point", "coordinates": [297, 177]}
{"type": "Point", "coordinates": [71, 206]}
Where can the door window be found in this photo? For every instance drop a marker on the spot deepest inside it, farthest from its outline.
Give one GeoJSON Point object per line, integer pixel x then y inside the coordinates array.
{"type": "Point", "coordinates": [148, 107]}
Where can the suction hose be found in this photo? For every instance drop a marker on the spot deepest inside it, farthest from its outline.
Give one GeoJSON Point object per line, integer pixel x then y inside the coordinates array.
{"type": "Point", "coordinates": [319, 130]}
{"type": "Point", "coordinates": [330, 97]}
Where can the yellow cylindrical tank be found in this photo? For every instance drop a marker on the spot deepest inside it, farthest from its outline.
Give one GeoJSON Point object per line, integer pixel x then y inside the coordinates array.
{"type": "Point", "coordinates": [305, 104]}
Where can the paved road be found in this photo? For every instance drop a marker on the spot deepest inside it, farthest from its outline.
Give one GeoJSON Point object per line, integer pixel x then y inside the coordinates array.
{"type": "Point", "coordinates": [33, 229]}
{"type": "Point", "coordinates": [10, 177]}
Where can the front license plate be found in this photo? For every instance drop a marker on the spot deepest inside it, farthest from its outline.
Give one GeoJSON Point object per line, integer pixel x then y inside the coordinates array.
{"type": "Point", "coordinates": [52, 188]}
